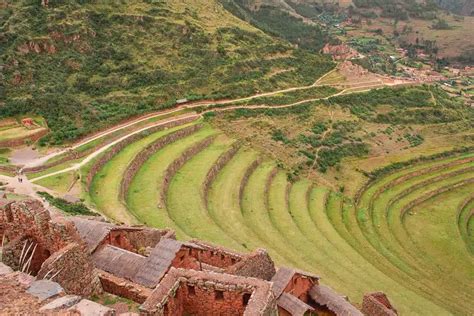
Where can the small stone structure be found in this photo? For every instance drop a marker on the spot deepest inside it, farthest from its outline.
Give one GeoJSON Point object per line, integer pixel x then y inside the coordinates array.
{"type": "Point", "coordinates": [86, 256]}
{"type": "Point", "coordinates": [209, 293]}
{"type": "Point", "coordinates": [46, 248]}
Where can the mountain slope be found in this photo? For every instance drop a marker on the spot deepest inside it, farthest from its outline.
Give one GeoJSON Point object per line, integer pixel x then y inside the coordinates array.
{"type": "Point", "coordinates": [86, 66]}
{"type": "Point", "coordinates": [462, 7]}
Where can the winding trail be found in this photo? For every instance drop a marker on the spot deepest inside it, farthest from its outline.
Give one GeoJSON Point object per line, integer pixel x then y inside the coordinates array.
{"type": "Point", "coordinates": [195, 105]}
{"type": "Point", "coordinates": [104, 148]}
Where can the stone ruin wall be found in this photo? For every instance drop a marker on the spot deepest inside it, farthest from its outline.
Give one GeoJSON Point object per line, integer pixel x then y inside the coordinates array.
{"type": "Point", "coordinates": [180, 161]}
{"type": "Point", "coordinates": [214, 255]}
{"type": "Point", "coordinates": [54, 248]}
{"type": "Point", "coordinates": [257, 265]}
{"type": "Point", "coordinates": [100, 163]}
{"type": "Point", "coordinates": [73, 270]}
{"type": "Point", "coordinates": [377, 304]}
{"type": "Point", "coordinates": [135, 240]}
{"type": "Point", "coordinates": [146, 153]}
{"type": "Point", "coordinates": [209, 299]}
{"type": "Point", "coordinates": [123, 288]}
{"type": "Point", "coordinates": [196, 293]}
{"type": "Point", "coordinates": [216, 168]}
{"type": "Point", "coordinates": [185, 260]}
{"type": "Point", "coordinates": [299, 287]}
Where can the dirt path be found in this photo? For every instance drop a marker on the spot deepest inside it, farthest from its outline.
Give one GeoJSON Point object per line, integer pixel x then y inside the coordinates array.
{"type": "Point", "coordinates": [109, 145]}
{"type": "Point", "coordinates": [26, 187]}
{"type": "Point", "coordinates": [94, 154]}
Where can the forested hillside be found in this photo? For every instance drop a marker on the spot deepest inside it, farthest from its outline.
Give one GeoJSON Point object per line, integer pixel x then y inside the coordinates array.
{"type": "Point", "coordinates": [84, 65]}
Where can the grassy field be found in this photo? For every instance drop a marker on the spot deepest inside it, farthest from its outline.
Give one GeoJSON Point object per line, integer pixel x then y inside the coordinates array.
{"type": "Point", "coordinates": [59, 183]}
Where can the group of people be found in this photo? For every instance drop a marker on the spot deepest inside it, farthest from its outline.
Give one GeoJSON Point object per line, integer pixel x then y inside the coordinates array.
{"type": "Point", "coordinates": [19, 174]}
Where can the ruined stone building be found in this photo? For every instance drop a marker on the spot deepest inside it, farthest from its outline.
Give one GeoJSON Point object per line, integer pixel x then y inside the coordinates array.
{"type": "Point", "coordinates": [75, 258]}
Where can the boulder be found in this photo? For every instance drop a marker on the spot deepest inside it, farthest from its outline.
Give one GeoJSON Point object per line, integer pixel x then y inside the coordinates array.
{"type": "Point", "coordinates": [89, 308]}
{"type": "Point", "coordinates": [44, 289]}
{"type": "Point", "coordinates": [4, 269]}
{"type": "Point", "coordinates": [61, 303]}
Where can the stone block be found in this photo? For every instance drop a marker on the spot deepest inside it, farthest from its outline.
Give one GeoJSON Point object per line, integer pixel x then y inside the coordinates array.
{"type": "Point", "coordinates": [4, 269]}
{"type": "Point", "coordinates": [89, 308]}
{"type": "Point", "coordinates": [44, 289]}
{"type": "Point", "coordinates": [61, 303]}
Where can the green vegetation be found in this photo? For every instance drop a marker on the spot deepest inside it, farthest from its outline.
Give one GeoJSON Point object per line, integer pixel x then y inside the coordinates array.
{"type": "Point", "coordinates": [69, 208]}
{"type": "Point", "coordinates": [396, 9]}
{"type": "Point", "coordinates": [143, 198]}
{"type": "Point", "coordinates": [85, 66]}
{"type": "Point", "coordinates": [105, 188]}
{"type": "Point", "coordinates": [276, 21]}
{"type": "Point", "coordinates": [356, 245]}
{"type": "Point", "coordinates": [408, 106]}
{"type": "Point", "coordinates": [59, 183]}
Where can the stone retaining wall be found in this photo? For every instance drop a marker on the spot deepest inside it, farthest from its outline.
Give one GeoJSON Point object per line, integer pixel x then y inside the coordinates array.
{"type": "Point", "coordinates": [268, 183]}
{"type": "Point", "coordinates": [246, 177]}
{"type": "Point", "coordinates": [148, 151]}
{"type": "Point", "coordinates": [23, 140]}
{"type": "Point", "coordinates": [216, 168]}
{"type": "Point", "coordinates": [100, 163]}
{"type": "Point", "coordinates": [432, 194]}
{"type": "Point", "coordinates": [180, 161]}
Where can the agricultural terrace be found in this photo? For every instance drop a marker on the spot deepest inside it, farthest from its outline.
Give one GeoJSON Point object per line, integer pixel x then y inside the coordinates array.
{"type": "Point", "coordinates": [408, 231]}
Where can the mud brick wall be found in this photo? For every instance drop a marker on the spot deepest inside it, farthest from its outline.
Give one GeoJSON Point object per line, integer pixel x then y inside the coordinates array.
{"type": "Point", "coordinates": [148, 151]}
{"type": "Point", "coordinates": [216, 168]}
{"type": "Point", "coordinates": [123, 288]}
{"type": "Point", "coordinates": [72, 268]}
{"type": "Point", "coordinates": [180, 161]}
{"type": "Point", "coordinates": [122, 144]}
{"type": "Point", "coordinates": [377, 304]}
{"type": "Point", "coordinates": [257, 265]}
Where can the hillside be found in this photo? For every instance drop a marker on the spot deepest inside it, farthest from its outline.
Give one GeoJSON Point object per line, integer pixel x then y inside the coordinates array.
{"type": "Point", "coordinates": [87, 66]}
{"type": "Point", "coordinates": [425, 25]}
{"type": "Point", "coordinates": [462, 7]}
